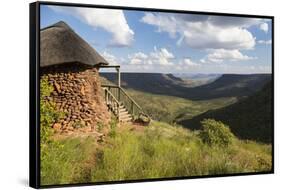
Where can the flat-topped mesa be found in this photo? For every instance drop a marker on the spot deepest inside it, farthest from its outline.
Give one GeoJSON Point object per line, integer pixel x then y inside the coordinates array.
{"type": "Point", "coordinates": [71, 65]}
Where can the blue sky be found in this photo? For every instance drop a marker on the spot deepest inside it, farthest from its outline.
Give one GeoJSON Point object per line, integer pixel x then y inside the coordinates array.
{"type": "Point", "coordinates": [170, 43]}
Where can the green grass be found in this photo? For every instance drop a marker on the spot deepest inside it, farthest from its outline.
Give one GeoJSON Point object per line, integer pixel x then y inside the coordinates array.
{"type": "Point", "coordinates": [160, 150]}
{"type": "Point", "coordinates": [71, 163]}
{"type": "Point", "coordinates": [170, 109]}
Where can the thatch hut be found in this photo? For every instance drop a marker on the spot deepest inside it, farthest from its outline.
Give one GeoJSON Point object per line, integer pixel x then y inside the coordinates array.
{"type": "Point", "coordinates": [71, 66]}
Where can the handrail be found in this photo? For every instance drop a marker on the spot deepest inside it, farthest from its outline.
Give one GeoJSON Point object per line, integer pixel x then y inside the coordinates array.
{"type": "Point", "coordinates": [112, 96]}
{"type": "Point", "coordinates": [124, 97]}
{"type": "Point", "coordinates": [108, 98]}
{"type": "Point", "coordinates": [131, 98]}
{"type": "Point", "coordinates": [109, 85]}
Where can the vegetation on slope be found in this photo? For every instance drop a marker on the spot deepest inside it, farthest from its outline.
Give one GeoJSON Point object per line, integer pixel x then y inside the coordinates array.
{"type": "Point", "coordinates": [48, 116]}
{"type": "Point", "coordinates": [157, 151]}
{"type": "Point", "coordinates": [250, 118]}
{"type": "Point", "coordinates": [170, 109]}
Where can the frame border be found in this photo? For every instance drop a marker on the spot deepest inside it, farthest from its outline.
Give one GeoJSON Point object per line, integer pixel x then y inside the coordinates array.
{"type": "Point", "coordinates": [34, 95]}
{"type": "Point", "coordinates": [34, 90]}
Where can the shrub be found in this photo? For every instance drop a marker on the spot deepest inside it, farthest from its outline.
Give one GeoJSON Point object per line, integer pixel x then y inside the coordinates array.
{"type": "Point", "coordinates": [113, 125]}
{"type": "Point", "coordinates": [215, 133]}
{"type": "Point", "coordinates": [48, 116]}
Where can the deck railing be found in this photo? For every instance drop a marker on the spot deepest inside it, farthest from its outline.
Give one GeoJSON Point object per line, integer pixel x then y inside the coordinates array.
{"type": "Point", "coordinates": [125, 99]}
{"type": "Point", "coordinates": [111, 102]}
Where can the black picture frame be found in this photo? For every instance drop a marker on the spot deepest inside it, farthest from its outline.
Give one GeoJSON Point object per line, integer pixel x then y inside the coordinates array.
{"type": "Point", "coordinates": [34, 92]}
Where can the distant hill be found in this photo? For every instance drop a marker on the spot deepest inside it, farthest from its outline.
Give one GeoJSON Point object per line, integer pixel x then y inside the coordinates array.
{"type": "Point", "coordinates": [193, 80]}
{"type": "Point", "coordinates": [249, 118]}
{"type": "Point", "coordinates": [227, 85]}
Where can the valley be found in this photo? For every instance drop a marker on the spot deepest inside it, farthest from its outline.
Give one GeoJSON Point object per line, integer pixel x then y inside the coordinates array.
{"type": "Point", "coordinates": [241, 101]}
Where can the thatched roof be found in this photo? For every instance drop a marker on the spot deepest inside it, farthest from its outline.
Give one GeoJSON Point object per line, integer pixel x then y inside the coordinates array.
{"type": "Point", "coordinates": [59, 44]}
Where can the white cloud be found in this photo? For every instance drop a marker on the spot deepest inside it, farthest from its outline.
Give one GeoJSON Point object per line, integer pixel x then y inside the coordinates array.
{"type": "Point", "coordinates": [163, 22]}
{"type": "Point", "coordinates": [205, 32]}
{"type": "Point", "coordinates": [229, 21]}
{"type": "Point", "coordinates": [264, 27]}
{"type": "Point", "coordinates": [138, 58]}
{"type": "Point", "coordinates": [112, 21]}
{"type": "Point", "coordinates": [206, 36]}
{"type": "Point", "coordinates": [184, 65]}
{"type": "Point", "coordinates": [266, 42]}
{"type": "Point", "coordinates": [188, 62]}
{"type": "Point", "coordinates": [160, 60]}
{"type": "Point", "coordinates": [157, 57]}
{"type": "Point", "coordinates": [220, 55]}
{"type": "Point", "coordinates": [111, 59]}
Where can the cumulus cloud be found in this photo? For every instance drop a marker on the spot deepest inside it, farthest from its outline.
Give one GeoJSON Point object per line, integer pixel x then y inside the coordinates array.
{"type": "Point", "coordinates": [221, 37]}
{"type": "Point", "coordinates": [138, 58]}
{"type": "Point", "coordinates": [266, 42]}
{"type": "Point", "coordinates": [112, 59]}
{"type": "Point", "coordinates": [205, 32]}
{"type": "Point", "coordinates": [206, 36]}
{"type": "Point", "coordinates": [112, 21]}
{"type": "Point", "coordinates": [161, 60]}
{"type": "Point", "coordinates": [163, 22]}
{"type": "Point", "coordinates": [264, 27]}
{"type": "Point", "coordinates": [229, 21]}
{"type": "Point", "coordinates": [188, 62]}
{"type": "Point", "coordinates": [157, 57]}
{"type": "Point", "coordinates": [220, 55]}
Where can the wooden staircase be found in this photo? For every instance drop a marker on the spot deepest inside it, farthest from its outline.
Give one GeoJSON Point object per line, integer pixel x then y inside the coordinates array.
{"type": "Point", "coordinates": [124, 115]}
{"type": "Point", "coordinates": [121, 104]}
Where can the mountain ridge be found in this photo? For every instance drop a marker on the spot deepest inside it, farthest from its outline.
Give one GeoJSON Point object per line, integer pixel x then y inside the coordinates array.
{"type": "Point", "coordinates": [249, 118]}
{"type": "Point", "coordinates": [227, 85]}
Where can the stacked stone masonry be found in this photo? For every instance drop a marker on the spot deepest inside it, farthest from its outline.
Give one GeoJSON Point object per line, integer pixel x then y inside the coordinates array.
{"type": "Point", "coordinates": [77, 93]}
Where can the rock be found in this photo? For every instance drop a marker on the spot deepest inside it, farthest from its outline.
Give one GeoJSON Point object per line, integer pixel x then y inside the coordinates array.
{"type": "Point", "coordinates": [73, 117]}
{"type": "Point", "coordinates": [68, 132]}
{"type": "Point", "coordinates": [86, 129]}
{"type": "Point", "coordinates": [57, 87]}
{"type": "Point", "coordinates": [57, 127]}
{"type": "Point", "coordinates": [83, 90]}
{"type": "Point", "coordinates": [100, 138]}
{"type": "Point", "coordinates": [70, 128]}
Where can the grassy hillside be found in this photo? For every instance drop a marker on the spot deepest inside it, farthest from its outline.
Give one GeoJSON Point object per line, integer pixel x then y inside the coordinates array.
{"type": "Point", "coordinates": [159, 150]}
{"type": "Point", "coordinates": [169, 108]}
{"type": "Point", "coordinates": [250, 118]}
{"type": "Point", "coordinates": [129, 151]}
{"type": "Point", "coordinates": [228, 85]}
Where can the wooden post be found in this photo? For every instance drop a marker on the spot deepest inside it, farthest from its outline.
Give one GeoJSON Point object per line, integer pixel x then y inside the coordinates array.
{"type": "Point", "coordinates": [119, 82]}
{"type": "Point", "coordinates": [106, 97]}
{"type": "Point", "coordinates": [132, 104]}
{"type": "Point", "coordinates": [119, 76]}
{"type": "Point", "coordinates": [118, 113]}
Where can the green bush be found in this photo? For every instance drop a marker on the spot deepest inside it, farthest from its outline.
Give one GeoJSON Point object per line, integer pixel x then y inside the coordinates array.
{"type": "Point", "coordinates": [48, 116]}
{"type": "Point", "coordinates": [113, 125]}
{"type": "Point", "coordinates": [215, 133]}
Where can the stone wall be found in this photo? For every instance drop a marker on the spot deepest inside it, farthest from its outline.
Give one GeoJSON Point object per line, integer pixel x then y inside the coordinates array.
{"type": "Point", "coordinates": [77, 93]}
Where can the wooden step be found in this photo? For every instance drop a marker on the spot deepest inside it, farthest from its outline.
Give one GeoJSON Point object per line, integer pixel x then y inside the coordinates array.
{"type": "Point", "coordinates": [122, 109]}
{"type": "Point", "coordinates": [127, 119]}
{"type": "Point", "coordinates": [123, 113]}
{"type": "Point", "coordinates": [125, 116]}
